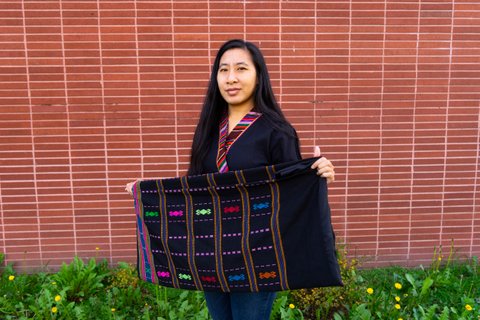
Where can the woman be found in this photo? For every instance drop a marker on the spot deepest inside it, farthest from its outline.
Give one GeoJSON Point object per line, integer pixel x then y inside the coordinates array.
{"type": "Point", "coordinates": [241, 126]}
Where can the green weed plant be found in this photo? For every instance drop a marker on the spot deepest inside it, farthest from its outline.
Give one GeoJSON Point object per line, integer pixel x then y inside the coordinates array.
{"type": "Point", "coordinates": [447, 289]}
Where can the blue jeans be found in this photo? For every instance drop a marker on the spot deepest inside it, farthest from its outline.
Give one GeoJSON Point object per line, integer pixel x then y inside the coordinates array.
{"type": "Point", "coordinates": [240, 305]}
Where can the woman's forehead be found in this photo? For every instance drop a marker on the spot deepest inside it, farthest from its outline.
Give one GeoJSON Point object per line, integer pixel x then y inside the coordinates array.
{"type": "Point", "coordinates": [236, 56]}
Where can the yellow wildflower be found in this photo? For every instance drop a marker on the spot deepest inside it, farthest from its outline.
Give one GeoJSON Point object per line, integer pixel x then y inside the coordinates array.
{"type": "Point", "coordinates": [369, 290]}
{"type": "Point", "coordinates": [54, 283]}
{"type": "Point", "coordinates": [291, 306]}
{"type": "Point", "coordinates": [54, 310]}
{"type": "Point", "coordinates": [400, 318]}
{"type": "Point", "coordinates": [113, 309]}
{"type": "Point", "coordinates": [58, 298]}
{"type": "Point", "coordinates": [397, 306]}
{"type": "Point", "coordinates": [397, 298]}
{"type": "Point", "coordinates": [468, 307]}
{"type": "Point", "coordinates": [11, 278]}
{"type": "Point", "coordinates": [398, 285]}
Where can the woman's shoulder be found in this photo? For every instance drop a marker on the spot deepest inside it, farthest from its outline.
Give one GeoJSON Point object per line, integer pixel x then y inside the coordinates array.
{"type": "Point", "coordinates": [273, 126]}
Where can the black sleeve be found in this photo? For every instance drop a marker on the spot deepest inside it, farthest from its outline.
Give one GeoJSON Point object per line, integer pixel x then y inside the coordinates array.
{"type": "Point", "coordinates": [283, 147]}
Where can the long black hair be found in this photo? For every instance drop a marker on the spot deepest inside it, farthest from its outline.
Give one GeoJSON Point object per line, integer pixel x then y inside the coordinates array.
{"type": "Point", "coordinates": [214, 106]}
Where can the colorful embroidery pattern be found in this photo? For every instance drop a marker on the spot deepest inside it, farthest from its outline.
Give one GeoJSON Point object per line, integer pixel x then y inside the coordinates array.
{"type": "Point", "coordinates": [261, 205]}
{"type": "Point", "coordinates": [274, 223]}
{"type": "Point", "coordinates": [164, 232]}
{"type": "Point", "coordinates": [239, 277]}
{"type": "Point", "coordinates": [184, 276]}
{"type": "Point", "coordinates": [200, 212]}
{"type": "Point", "coordinates": [163, 274]}
{"type": "Point", "coordinates": [247, 254]}
{"type": "Point", "coordinates": [231, 209]}
{"type": "Point", "coordinates": [235, 231]}
{"type": "Point", "coordinates": [266, 275]}
{"type": "Point", "coordinates": [190, 235]}
{"type": "Point", "coordinates": [174, 213]}
{"type": "Point", "coordinates": [217, 233]}
{"type": "Point", "coordinates": [208, 279]}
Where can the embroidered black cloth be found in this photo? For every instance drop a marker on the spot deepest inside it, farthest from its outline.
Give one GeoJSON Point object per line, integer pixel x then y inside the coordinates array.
{"type": "Point", "coordinates": [261, 229]}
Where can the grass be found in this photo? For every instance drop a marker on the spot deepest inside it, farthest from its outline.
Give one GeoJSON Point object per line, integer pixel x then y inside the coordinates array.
{"type": "Point", "coordinates": [447, 289]}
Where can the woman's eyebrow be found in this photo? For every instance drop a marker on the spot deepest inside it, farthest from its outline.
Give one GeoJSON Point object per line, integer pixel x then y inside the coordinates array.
{"type": "Point", "coordinates": [238, 63]}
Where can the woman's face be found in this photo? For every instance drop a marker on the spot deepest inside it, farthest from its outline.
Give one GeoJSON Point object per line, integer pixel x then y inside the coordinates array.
{"type": "Point", "coordinates": [237, 78]}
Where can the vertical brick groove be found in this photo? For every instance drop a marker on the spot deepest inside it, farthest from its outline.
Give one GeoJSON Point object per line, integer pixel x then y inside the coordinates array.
{"type": "Point", "coordinates": [67, 113]}
{"type": "Point", "coordinates": [38, 237]}
{"type": "Point", "coordinates": [97, 94]}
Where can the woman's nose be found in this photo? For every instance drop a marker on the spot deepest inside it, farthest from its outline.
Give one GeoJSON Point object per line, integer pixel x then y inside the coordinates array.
{"type": "Point", "coordinates": [232, 77]}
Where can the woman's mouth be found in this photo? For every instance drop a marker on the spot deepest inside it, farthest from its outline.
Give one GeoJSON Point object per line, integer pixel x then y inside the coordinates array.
{"type": "Point", "coordinates": [232, 91]}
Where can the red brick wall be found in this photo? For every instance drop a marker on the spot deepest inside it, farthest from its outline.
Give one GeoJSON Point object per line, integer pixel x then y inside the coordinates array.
{"type": "Point", "coordinates": [97, 93]}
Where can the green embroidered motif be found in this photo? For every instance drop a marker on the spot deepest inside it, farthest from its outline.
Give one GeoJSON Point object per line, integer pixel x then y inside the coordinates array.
{"type": "Point", "coordinates": [151, 214]}
{"type": "Point", "coordinates": [203, 212]}
{"type": "Point", "coordinates": [184, 276]}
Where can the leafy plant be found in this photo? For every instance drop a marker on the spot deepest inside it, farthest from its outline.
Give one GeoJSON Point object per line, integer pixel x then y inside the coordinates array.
{"type": "Point", "coordinates": [80, 280]}
{"type": "Point", "coordinates": [444, 290]}
{"type": "Point", "coordinates": [447, 289]}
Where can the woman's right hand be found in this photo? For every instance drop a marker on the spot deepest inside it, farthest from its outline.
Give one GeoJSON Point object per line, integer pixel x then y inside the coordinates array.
{"type": "Point", "coordinates": [129, 187]}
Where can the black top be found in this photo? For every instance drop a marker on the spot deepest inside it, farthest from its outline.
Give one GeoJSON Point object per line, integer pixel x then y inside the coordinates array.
{"type": "Point", "coordinates": [260, 145]}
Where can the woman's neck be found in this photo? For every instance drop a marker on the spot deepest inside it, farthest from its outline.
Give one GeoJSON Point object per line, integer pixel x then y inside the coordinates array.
{"type": "Point", "coordinates": [235, 114]}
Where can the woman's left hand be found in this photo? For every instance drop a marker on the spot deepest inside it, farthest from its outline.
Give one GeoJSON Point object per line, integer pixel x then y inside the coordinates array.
{"type": "Point", "coordinates": [324, 167]}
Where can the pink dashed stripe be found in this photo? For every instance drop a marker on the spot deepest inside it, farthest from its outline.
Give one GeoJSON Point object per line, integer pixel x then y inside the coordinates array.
{"type": "Point", "coordinates": [262, 248]}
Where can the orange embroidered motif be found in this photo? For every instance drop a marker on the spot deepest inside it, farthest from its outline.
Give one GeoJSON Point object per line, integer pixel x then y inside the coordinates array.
{"type": "Point", "coordinates": [267, 275]}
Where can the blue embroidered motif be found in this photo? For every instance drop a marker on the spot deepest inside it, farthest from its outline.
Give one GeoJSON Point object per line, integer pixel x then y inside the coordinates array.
{"type": "Point", "coordinates": [238, 277]}
{"type": "Point", "coordinates": [261, 205]}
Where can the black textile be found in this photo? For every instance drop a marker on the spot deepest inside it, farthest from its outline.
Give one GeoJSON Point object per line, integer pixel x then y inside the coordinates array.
{"type": "Point", "coordinates": [259, 229]}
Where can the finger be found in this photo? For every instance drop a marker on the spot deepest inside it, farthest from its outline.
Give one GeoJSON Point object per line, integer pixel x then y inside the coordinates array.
{"type": "Point", "coordinates": [319, 163]}
{"type": "Point", "coordinates": [129, 187]}
{"type": "Point", "coordinates": [324, 170]}
{"type": "Point", "coordinates": [322, 162]}
{"type": "Point", "coordinates": [329, 176]}
{"type": "Point", "coordinates": [316, 151]}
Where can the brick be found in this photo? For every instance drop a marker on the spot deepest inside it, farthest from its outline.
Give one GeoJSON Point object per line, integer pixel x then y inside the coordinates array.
{"type": "Point", "coordinates": [350, 88]}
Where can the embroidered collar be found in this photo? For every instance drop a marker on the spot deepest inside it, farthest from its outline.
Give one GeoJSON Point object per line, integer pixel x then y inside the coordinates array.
{"type": "Point", "coordinates": [226, 140]}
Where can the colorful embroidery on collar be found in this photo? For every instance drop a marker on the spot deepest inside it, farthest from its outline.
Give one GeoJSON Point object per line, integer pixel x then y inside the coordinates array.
{"type": "Point", "coordinates": [226, 140]}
